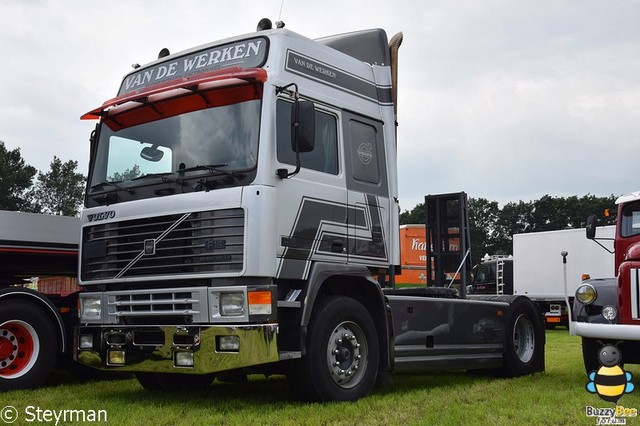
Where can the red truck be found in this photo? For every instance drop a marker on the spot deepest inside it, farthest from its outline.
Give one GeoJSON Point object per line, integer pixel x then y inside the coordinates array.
{"type": "Point", "coordinates": [606, 311]}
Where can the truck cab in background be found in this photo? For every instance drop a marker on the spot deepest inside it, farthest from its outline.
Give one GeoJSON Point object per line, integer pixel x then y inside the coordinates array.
{"type": "Point", "coordinates": [38, 299]}
{"type": "Point", "coordinates": [493, 275]}
{"type": "Point", "coordinates": [607, 311]}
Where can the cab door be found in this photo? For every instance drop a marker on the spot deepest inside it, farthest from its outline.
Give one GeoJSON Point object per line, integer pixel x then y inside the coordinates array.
{"type": "Point", "coordinates": [367, 191]}
{"type": "Point", "coordinates": [312, 204]}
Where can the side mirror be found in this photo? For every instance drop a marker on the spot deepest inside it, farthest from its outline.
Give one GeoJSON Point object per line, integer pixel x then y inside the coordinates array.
{"type": "Point", "coordinates": [303, 126]}
{"type": "Point", "coordinates": [151, 153]}
{"type": "Point", "coordinates": [591, 227]}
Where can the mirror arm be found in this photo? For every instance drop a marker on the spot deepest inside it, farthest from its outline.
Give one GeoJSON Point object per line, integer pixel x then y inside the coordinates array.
{"type": "Point", "coordinates": [286, 174]}
{"type": "Point", "coordinates": [283, 89]}
{"type": "Point", "coordinates": [595, 240]}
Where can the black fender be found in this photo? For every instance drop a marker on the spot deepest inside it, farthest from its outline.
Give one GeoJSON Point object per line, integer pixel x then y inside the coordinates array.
{"type": "Point", "coordinates": [354, 281]}
{"type": "Point", "coordinates": [607, 294]}
{"type": "Point", "coordinates": [45, 304]}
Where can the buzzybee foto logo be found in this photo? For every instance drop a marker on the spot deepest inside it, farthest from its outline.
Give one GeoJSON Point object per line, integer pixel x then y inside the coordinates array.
{"type": "Point", "coordinates": [610, 382]}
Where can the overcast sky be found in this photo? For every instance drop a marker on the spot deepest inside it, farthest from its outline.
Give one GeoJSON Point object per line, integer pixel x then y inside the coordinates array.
{"type": "Point", "coordinates": [507, 100]}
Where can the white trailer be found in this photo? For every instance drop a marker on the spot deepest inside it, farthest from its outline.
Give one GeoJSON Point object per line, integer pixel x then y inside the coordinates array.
{"type": "Point", "coordinates": [538, 269]}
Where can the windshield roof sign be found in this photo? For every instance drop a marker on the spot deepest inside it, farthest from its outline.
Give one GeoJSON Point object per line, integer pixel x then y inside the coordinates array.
{"type": "Point", "coordinates": [251, 53]}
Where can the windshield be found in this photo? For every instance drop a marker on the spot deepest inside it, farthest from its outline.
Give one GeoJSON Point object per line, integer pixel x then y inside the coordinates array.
{"type": "Point", "coordinates": [484, 274]}
{"type": "Point", "coordinates": [204, 144]}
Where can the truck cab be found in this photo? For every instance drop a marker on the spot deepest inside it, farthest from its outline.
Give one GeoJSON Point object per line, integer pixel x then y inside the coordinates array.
{"type": "Point", "coordinates": [241, 214]}
{"type": "Point", "coordinates": [607, 310]}
{"type": "Point", "coordinates": [232, 187]}
{"type": "Point", "coordinates": [493, 275]}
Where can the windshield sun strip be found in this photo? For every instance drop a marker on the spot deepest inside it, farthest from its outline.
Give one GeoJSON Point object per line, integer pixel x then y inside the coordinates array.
{"type": "Point", "coordinates": [187, 101]}
{"type": "Point", "coordinates": [202, 81]}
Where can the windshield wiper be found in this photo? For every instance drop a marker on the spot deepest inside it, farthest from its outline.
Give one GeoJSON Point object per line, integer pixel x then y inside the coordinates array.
{"type": "Point", "coordinates": [211, 168]}
{"type": "Point", "coordinates": [152, 175]}
{"type": "Point", "coordinates": [106, 196]}
{"type": "Point", "coordinates": [114, 184]}
{"type": "Point", "coordinates": [214, 170]}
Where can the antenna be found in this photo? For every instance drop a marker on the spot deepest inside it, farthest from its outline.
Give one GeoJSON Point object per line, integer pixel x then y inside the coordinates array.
{"type": "Point", "coordinates": [279, 23]}
{"type": "Point", "coordinates": [281, 6]}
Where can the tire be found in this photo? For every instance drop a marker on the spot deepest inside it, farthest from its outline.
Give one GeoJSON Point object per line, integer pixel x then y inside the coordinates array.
{"type": "Point", "coordinates": [523, 351]}
{"type": "Point", "coordinates": [28, 345]}
{"type": "Point", "coordinates": [342, 357]}
{"type": "Point", "coordinates": [167, 382]}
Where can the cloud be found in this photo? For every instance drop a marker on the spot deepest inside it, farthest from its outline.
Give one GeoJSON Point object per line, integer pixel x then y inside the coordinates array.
{"type": "Point", "coordinates": [505, 100]}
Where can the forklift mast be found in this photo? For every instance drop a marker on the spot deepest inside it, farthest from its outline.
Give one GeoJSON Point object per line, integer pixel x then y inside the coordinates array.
{"type": "Point", "coordinates": [448, 241]}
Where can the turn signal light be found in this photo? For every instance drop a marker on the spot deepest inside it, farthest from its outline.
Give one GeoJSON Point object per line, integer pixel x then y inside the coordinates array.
{"type": "Point", "coordinates": [259, 302]}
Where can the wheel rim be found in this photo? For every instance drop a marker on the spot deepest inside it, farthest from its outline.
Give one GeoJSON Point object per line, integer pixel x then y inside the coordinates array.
{"type": "Point", "coordinates": [19, 347]}
{"type": "Point", "coordinates": [347, 354]}
{"type": "Point", "coordinates": [524, 341]}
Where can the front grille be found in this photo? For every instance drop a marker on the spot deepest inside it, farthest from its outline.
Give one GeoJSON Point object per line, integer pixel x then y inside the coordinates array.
{"type": "Point", "coordinates": [166, 306]}
{"type": "Point", "coordinates": [191, 243]}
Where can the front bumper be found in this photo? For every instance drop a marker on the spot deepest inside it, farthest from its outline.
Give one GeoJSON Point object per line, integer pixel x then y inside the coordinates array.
{"type": "Point", "coordinates": [177, 349]}
{"type": "Point", "coordinates": [606, 331]}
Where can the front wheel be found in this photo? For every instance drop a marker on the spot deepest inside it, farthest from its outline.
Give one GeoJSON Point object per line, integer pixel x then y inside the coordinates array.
{"type": "Point", "coordinates": [28, 345]}
{"type": "Point", "coordinates": [341, 363]}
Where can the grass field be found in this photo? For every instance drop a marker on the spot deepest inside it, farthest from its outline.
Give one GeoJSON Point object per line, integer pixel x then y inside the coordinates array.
{"type": "Point", "coordinates": [556, 397]}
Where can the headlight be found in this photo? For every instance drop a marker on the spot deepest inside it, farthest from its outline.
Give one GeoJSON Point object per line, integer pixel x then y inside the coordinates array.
{"type": "Point", "coordinates": [586, 294]}
{"type": "Point", "coordinates": [232, 304]}
{"type": "Point", "coordinates": [609, 313]}
{"type": "Point", "coordinates": [90, 308]}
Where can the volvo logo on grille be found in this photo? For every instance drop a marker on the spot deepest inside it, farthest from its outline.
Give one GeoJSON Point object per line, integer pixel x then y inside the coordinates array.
{"type": "Point", "coordinates": [149, 247]}
{"type": "Point", "coordinates": [94, 217]}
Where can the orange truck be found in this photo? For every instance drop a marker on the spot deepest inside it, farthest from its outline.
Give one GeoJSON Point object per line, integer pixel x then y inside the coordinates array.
{"type": "Point", "coordinates": [413, 257]}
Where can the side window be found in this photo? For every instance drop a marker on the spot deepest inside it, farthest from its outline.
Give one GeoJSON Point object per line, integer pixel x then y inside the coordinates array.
{"type": "Point", "coordinates": [324, 157]}
{"type": "Point", "coordinates": [630, 220]}
{"type": "Point", "coordinates": [364, 158]}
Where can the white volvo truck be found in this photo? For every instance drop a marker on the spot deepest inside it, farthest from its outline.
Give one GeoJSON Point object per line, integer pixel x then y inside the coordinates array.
{"type": "Point", "coordinates": [241, 211]}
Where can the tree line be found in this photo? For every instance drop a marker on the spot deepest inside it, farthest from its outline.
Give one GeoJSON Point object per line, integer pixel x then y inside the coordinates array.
{"type": "Point", "coordinates": [491, 227]}
{"type": "Point", "coordinates": [58, 191]}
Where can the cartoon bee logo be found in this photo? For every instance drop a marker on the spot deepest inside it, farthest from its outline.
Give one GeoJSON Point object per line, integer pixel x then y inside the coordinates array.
{"type": "Point", "coordinates": [610, 381]}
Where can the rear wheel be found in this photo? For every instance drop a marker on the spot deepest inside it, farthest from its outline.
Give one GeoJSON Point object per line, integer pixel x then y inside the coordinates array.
{"type": "Point", "coordinates": [523, 341]}
{"type": "Point", "coordinates": [168, 382]}
{"type": "Point", "coordinates": [341, 363]}
{"type": "Point", "coordinates": [28, 345]}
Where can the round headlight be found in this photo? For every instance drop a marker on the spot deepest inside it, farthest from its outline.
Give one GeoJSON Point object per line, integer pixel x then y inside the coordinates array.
{"type": "Point", "coordinates": [586, 294]}
{"type": "Point", "coordinates": [609, 313]}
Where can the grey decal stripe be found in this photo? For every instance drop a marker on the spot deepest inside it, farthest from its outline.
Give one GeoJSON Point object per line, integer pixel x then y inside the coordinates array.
{"type": "Point", "coordinates": [331, 76]}
{"type": "Point", "coordinates": [311, 214]}
{"type": "Point", "coordinates": [320, 224]}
